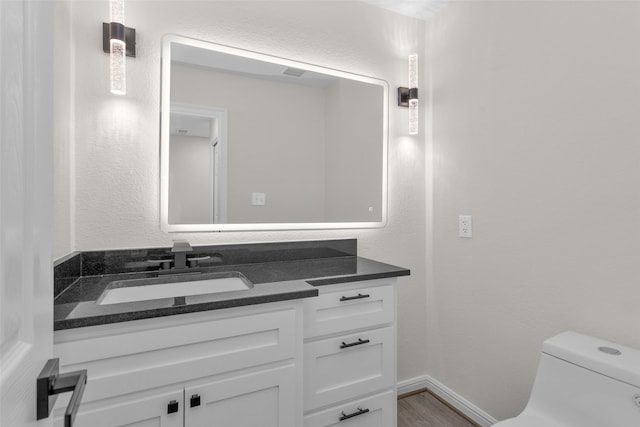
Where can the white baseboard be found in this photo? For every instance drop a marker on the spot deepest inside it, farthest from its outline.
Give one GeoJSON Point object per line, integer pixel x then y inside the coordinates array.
{"type": "Point", "coordinates": [413, 384]}
{"type": "Point", "coordinates": [451, 397]}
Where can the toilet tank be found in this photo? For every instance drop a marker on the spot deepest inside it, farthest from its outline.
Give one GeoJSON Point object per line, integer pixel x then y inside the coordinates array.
{"type": "Point", "coordinates": [587, 382]}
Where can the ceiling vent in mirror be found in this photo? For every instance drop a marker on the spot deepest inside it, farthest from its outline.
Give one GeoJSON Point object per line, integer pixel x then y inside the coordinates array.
{"type": "Point", "coordinates": [295, 72]}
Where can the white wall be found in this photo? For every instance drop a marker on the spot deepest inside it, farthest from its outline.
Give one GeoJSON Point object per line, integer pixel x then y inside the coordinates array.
{"type": "Point", "coordinates": [63, 180]}
{"type": "Point", "coordinates": [117, 138]}
{"type": "Point", "coordinates": [536, 134]}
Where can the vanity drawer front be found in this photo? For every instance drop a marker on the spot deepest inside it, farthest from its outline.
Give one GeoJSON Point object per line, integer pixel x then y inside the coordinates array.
{"type": "Point", "coordinates": [374, 411]}
{"type": "Point", "coordinates": [347, 366]}
{"type": "Point", "coordinates": [338, 311]}
{"type": "Point", "coordinates": [143, 359]}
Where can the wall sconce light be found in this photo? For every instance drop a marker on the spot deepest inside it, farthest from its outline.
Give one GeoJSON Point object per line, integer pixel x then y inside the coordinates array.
{"type": "Point", "coordinates": [408, 96]}
{"type": "Point", "coordinates": [118, 41]}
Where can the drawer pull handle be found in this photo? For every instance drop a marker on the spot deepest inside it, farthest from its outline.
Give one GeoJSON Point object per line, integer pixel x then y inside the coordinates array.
{"type": "Point", "coordinates": [360, 411]}
{"type": "Point", "coordinates": [352, 344]}
{"type": "Point", "coordinates": [359, 296]}
{"type": "Point", "coordinates": [172, 407]}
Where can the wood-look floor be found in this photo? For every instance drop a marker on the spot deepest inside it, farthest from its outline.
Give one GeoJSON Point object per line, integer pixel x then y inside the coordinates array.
{"type": "Point", "coordinates": [423, 409]}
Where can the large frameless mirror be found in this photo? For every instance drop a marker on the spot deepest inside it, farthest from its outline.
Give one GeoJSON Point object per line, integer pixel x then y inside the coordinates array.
{"type": "Point", "coordinates": [256, 142]}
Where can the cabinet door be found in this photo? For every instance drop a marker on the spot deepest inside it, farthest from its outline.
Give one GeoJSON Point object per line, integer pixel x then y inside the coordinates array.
{"type": "Point", "coordinates": [264, 398]}
{"type": "Point", "coordinates": [348, 366]}
{"type": "Point", "coordinates": [374, 411]}
{"type": "Point", "coordinates": [149, 411]}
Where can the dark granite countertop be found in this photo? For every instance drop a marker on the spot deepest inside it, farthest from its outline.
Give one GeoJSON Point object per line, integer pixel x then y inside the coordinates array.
{"type": "Point", "coordinates": [75, 306]}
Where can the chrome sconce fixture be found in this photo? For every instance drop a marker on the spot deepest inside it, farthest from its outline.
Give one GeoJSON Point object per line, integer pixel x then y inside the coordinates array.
{"type": "Point", "coordinates": [118, 41]}
{"type": "Point", "coordinates": [408, 96]}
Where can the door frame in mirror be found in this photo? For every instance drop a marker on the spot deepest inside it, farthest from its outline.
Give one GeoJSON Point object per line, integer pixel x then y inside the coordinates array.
{"type": "Point", "coordinates": [217, 176]}
{"type": "Point", "coordinates": [165, 103]}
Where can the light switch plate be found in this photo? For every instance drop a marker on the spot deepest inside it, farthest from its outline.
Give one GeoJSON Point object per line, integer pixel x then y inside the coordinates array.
{"type": "Point", "coordinates": [465, 226]}
{"type": "Point", "coordinates": [258, 199]}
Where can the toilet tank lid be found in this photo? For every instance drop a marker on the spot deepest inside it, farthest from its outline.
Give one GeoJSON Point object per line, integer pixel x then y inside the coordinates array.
{"type": "Point", "coordinates": [597, 355]}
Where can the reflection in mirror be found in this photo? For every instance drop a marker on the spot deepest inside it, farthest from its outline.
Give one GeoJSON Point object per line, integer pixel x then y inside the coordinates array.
{"type": "Point", "coordinates": [198, 162]}
{"type": "Point", "coordinates": [253, 142]}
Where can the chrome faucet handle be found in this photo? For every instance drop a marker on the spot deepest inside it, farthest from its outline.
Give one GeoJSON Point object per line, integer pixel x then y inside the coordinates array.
{"type": "Point", "coordinates": [164, 264]}
{"type": "Point", "coordinates": [193, 262]}
{"type": "Point", "coordinates": [181, 246]}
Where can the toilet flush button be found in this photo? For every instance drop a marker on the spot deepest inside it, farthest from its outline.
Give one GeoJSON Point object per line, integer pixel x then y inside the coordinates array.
{"type": "Point", "coordinates": [610, 350]}
{"type": "Point", "coordinates": [636, 399]}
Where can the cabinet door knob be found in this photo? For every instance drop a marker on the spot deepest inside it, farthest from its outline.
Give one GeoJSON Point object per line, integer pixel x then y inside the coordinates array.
{"type": "Point", "coordinates": [195, 400]}
{"type": "Point", "coordinates": [172, 407]}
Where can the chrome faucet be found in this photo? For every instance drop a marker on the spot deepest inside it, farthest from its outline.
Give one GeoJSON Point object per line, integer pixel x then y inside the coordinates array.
{"type": "Point", "coordinates": [180, 249]}
{"type": "Point", "coordinates": [181, 264]}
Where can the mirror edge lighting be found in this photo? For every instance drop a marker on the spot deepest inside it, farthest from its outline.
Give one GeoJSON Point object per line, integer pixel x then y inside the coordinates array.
{"type": "Point", "coordinates": [165, 105]}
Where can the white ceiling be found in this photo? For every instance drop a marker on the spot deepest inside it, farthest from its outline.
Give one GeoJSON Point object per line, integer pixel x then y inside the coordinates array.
{"type": "Point", "coordinates": [423, 9]}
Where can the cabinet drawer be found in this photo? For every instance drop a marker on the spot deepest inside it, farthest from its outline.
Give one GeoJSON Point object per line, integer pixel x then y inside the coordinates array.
{"type": "Point", "coordinates": [344, 367]}
{"type": "Point", "coordinates": [127, 362]}
{"type": "Point", "coordinates": [374, 411]}
{"type": "Point", "coordinates": [343, 310]}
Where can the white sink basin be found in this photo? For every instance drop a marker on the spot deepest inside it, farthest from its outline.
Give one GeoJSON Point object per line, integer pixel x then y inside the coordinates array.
{"type": "Point", "coordinates": [133, 290]}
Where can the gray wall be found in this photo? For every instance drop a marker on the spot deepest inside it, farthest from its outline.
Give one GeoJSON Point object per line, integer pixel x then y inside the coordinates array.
{"type": "Point", "coordinates": [190, 180]}
{"type": "Point", "coordinates": [353, 157]}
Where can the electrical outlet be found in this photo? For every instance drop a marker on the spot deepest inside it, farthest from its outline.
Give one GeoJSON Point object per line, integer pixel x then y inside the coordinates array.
{"type": "Point", "coordinates": [465, 226]}
{"type": "Point", "coordinates": [258, 199]}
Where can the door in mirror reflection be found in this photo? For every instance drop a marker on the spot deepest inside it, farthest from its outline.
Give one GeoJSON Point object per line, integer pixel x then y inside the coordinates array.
{"type": "Point", "coordinates": [197, 165]}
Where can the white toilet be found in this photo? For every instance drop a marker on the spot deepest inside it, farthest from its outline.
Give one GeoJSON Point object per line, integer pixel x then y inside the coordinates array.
{"type": "Point", "coordinates": [583, 382]}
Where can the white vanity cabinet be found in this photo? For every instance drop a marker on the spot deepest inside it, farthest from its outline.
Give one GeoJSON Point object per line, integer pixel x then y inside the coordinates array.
{"type": "Point", "coordinates": [350, 355]}
{"type": "Point", "coordinates": [236, 367]}
{"type": "Point", "coordinates": [315, 362]}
